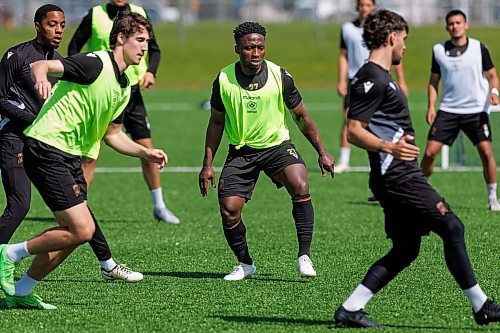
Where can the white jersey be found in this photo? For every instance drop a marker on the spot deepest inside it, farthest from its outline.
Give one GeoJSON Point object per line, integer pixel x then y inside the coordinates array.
{"type": "Point", "coordinates": [465, 87]}
{"type": "Point", "coordinates": [357, 53]}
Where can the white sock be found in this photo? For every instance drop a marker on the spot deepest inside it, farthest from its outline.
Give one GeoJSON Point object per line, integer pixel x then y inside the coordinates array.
{"type": "Point", "coordinates": [358, 299]}
{"type": "Point", "coordinates": [25, 285]}
{"type": "Point", "coordinates": [157, 195]}
{"type": "Point", "coordinates": [492, 191]}
{"type": "Point", "coordinates": [476, 297]}
{"type": "Point", "coordinates": [19, 251]}
{"type": "Point", "coordinates": [108, 265]}
{"type": "Point", "coordinates": [345, 155]}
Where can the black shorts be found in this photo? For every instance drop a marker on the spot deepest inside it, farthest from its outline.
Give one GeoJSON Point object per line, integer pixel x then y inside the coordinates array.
{"type": "Point", "coordinates": [412, 207]}
{"type": "Point", "coordinates": [135, 118]}
{"type": "Point", "coordinates": [243, 166]}
{"type": "Point", "coordinates": [58, 176]}
{"type": "Point", "coordinates": [447, 125]}
{"type": "Point", "coordinates": [346, 98]}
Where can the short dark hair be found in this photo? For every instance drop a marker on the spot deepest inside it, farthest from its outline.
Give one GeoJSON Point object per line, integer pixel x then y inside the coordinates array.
{"type": "Point", "coordinates": [247, 28]}
{"type": "Point", "coordinates": [379, 25]}
{"type": "Point", "coordinates": [128, 23]}
{"type": "Point", "coordinates": [455, 12]}
{"type": "Point", "coordinates": [41, 13]}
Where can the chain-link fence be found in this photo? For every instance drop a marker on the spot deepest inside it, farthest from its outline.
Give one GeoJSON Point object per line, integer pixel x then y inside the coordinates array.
{"type": "Point", "coordinates": [418, 12]}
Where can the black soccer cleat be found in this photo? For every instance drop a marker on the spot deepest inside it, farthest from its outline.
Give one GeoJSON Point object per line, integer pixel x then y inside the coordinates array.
{"type": "Point", "coordinates": [344, 318]}
{"type": "Point", "coordinates": [489, 313]}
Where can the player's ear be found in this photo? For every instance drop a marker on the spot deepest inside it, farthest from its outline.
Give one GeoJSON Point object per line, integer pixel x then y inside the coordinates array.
{"type": "Point", "coordinates": [38, 28]}
{"type": "Point", "coordinates": [236, 49]}
{"type": "Point", "coordinates": [392, 38]}
{"type": "Point", "coordinates": [120, 38]}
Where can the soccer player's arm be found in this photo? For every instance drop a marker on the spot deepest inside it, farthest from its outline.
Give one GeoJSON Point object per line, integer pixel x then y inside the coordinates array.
{"type": "Point", "coordinates": [363, 105]}
{"type": "Point", "coordinates": [154, 54]}
{"type": "Point", "coordinates": [82, 35]}
{"type": "Point", "coordinates": [120, 142]}
{"type": "Point", "coordinates": [400, 73]}
{"type": "Point", "coordinates": [293, 101]}
{"type": "Point", "coordinates": [39, 74]}
{"type": "Point", "coordinates": [9, 67]}
{"type": "Point", "coordinates": [433, 90]}
{"type": "Point", "coordinates": [343, 64]}
{"type": "Point", "coordinates": [491, 74]}
{"type": "Point", "coordinates": [213, 137]}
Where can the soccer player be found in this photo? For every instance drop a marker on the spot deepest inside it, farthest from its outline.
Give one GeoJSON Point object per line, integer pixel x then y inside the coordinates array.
{"type": "Point", "coordinates": [19, 105]}
{"type": "Point", "coordinates": [248, 102]}
{"type": "Point", "coordinates": [379, 122]}
{"type": "Point", "coordinates": [353, 55]}
{"type": "Point", "coordinates": [94, 31]}
{"type": "Point", "coordinates": [470, 85]}
{"type": "Point", "coordinates": [92, 93]}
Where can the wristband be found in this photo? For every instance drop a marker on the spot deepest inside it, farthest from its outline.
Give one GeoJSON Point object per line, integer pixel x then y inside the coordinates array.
{"type": "Point", "coordinates": [494, 91]}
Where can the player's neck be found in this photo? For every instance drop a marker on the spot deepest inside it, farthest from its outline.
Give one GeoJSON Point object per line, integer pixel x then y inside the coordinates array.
{"type": "Point", "coordinates": [119, 59]}
{"type": "Point", "coordinates": [460, 41]}
{"type": "Point", "coordinates": [382, 57]}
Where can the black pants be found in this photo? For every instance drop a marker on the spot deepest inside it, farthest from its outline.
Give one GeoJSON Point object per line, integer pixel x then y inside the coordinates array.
{"type": "Point", "coordinates": [17, 186]}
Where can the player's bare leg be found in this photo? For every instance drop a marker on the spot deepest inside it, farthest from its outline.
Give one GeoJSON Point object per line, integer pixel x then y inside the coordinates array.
{"type": "Point", "coordinates": [489, 173]}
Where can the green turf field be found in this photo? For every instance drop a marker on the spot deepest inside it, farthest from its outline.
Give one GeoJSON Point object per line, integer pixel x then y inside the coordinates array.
{"type": "Point", "coordinates": [183, 290]}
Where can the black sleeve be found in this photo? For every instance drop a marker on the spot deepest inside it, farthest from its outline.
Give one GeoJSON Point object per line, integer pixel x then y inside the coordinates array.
{"type": "Point", "coordinates": [485, 55]}
{"type": "Point", "coordinates": [119, 119]}
{"type": "Point", "coordinates": [435, 69]}
{"type": "Point", "coordinates": [216, 99]}
{"type": "Point", "coordinates": [291, 96]}
{"type": "Point", "coordinates": [82, 35]}
{"type": "Point", "coordinates": [154, 53]}
{"type": "Point", "coordinates": [342, 42]}
{"type": "Point", "coordinates": [9, 68]}
{"type": "Point", "coordinates": [365, 98]}
{"type": "Point", "coordinates": [82, 68]}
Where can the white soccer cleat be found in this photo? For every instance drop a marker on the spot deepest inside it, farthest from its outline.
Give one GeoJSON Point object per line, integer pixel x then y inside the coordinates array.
{"type": "Point", "coordinates": [165, 215]}
{"type": "Point", "coordinates": [240, 272]}
{"type": "Point", "coordinates": [305, 266]}
{"type": "Point", "coordinates": [121, 272]}
{"type": "Point", "coordinates": [341, 168]}
{"type": "Point", "coordinates": [494, 205]}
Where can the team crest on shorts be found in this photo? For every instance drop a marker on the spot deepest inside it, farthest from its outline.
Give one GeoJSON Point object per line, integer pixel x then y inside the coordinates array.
{"type": "Point", "coordinates": [293, 152]}
{"type": "Point", "coordinates": [486, 130]}
{"type": "Point", "coordinates": [433, 130]}
{"type": "Point", "coordinates": [19, 158]}
{"type": "Point", "coordinates": [77, 190]}
{"type": "Point", "coordinates": [441, 207]}
{"type": "Point", "coordinates": [221, 184]}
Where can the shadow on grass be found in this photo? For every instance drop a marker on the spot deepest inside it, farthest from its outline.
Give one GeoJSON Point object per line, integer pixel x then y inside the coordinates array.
{"type": "Point", "coordinates": [208, 275]}
{"type": "Point", "coordinates": [364, 203]}
{"type": "Point", "coordinates": [448, 328]}
{"type": "Point", "coordinates": [275, 320]}
{"type": "Point", "coordinates": [40, 219]}
{"type": "Point", "coordinates": [3, 305]}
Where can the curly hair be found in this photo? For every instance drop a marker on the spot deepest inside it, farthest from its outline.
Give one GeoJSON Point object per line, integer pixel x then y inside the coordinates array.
{"type": "Point", "coordinates": [128, 23]}
{"type": "Point", "coordinates": [41, 13]}
{"type": "Point", "coordinates": [379, 25]}
{"type": "Point", "coordinates": [247, 28]}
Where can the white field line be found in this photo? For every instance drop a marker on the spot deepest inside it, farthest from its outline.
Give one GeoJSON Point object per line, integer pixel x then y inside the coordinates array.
{"type": "Point", "coordinates": [184, 169]}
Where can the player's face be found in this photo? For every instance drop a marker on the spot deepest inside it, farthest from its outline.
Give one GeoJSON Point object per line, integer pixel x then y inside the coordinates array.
{"type": "Point", "coordinates": [457, 26]}
{"type": "Point", "coordinates": [252, 50]}
{"type": "Point", "coordinates": [135, 46]}
{"type": "Point", "coordinates": [118, 3]}
{"type": "Point", "coordinates": [399, 47]}
{"type": "Point", "coordinates": [51, 31]}
{"type": "Point", "coordinates": [365, 7]}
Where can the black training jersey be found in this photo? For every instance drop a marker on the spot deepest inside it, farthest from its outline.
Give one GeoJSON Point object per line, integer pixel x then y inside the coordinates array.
{"type": "Point", "coordinates": [84, 32]}
{"type": "Point", "coordinates": [19, 101]}
{"type": "Point", "coordinates": [377, 100]}
{"type": "Point", "coordinates": [291, 96]}
{"type": "Point", "coordinates": [456, 51]}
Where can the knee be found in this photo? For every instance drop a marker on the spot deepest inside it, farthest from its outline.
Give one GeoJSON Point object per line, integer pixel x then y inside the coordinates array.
{"type": "Point", "coordinates": [453, 230]}
{"type": "Point", "coordinates": [84, 234]}
{"type": "Point", "coordinates": [301, 189]}
{"type": "Point", "coordinates": [229, 218]}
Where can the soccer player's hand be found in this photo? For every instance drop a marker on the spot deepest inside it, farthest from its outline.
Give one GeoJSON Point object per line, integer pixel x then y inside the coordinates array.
{"type": "Point", "coordinates": [157, 156]}
{"type": "Point", "coordinates": [326, 164]}
{"type": "Point", "coordinates": [405, 151]}
{"type": "Point", "coordinates": [494, 99]}
{"type": "Point", "coordinates": [431, 116]}
{"type": "Point", "coordinates": [342, 88]}
{"type": "Point", "coordinates": [147, 81]}
{"type": "Point", "coordinates": [207, 173]}
{"type": "Point", "coordinates": [43, 88]}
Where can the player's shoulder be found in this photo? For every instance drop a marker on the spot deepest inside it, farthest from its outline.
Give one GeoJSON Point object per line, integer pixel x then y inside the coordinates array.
{"type": "Point", "coordinates": [20, 51]}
